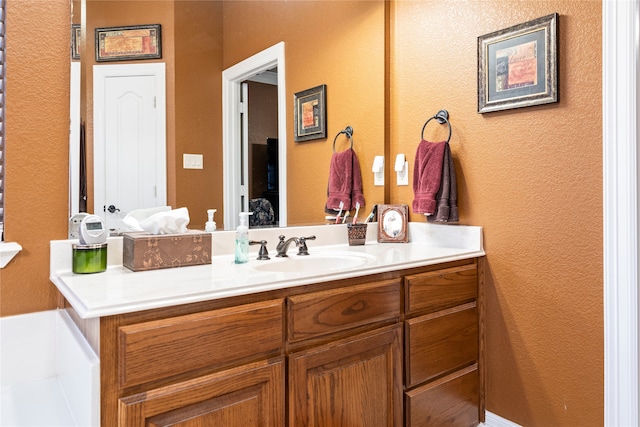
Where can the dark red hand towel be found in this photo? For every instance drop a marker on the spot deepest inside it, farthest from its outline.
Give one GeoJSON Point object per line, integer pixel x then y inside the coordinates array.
{"type": "Point", "coordinates": [427, 175]}
{"type": "Point", "coordinates": [345, 182]}
{"type": "Point", "coordinates": [447, 196]}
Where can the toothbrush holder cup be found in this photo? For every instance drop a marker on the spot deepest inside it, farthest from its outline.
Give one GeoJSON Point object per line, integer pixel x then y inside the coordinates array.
{"type": "Point", "coordinates": [357, 234]}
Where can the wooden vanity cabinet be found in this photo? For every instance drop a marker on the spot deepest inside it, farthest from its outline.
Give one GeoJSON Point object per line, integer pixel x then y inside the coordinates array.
{"type": "Point", "coordinates": [389, 349]}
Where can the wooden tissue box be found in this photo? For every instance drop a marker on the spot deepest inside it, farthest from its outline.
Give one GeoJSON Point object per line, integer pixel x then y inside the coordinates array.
{"type": "Point", "coordinates": [142, 251]}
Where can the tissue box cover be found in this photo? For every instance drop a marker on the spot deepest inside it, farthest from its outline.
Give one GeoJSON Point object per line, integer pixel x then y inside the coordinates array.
{"type": "Point", "coordinates": [142, 251]}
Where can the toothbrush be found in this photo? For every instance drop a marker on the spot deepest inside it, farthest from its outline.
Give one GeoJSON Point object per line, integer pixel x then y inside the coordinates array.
{"type": "Point", "coordinates": [372, 214]}
{"type": "Point", "coordinates": [346, 215]}
{"type": "Point", "coordinates": [355, 217]}
{"type": "Point", "coordinates": [339, 213]}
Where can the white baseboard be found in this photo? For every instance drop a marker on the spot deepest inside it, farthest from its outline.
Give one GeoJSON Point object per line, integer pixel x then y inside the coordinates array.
{"type": "Point", "coordinates": [493, 420]}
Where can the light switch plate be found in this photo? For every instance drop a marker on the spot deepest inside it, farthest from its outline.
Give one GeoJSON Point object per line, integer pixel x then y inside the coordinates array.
{"type": "Point", "coordinates": [192, 161]}
{"type": "Point", "coordinates": [402, 176]}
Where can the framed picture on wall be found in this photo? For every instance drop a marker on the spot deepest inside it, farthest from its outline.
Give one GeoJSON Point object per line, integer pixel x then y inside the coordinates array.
{"type": "Point", "coordinates": [128, 43]}
{"type": "Point", "coordinates": [310, 114]}
{"type": "Point", "coordinates": [518, 66]}
{"type": "Point", "coordinates": [75, 41]}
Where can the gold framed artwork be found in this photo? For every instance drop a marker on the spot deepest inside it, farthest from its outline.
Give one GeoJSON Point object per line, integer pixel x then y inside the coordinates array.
{"type": "Point", "coordinates": [518, 66]}
{"type": "Point", "coordinates": [310, 114]}
{"type": "Point", "coordinates": [128, 43]}
{"type": "Point", "coordinates": [392, 223]}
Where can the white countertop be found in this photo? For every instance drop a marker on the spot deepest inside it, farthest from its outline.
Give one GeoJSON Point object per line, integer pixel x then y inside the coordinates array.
{"type": "Point", "coordinates": [120, 290]}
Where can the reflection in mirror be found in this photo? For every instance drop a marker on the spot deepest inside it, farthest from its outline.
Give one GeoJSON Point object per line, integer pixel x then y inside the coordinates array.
{"type": "Point", "coordinates": [340, 44]}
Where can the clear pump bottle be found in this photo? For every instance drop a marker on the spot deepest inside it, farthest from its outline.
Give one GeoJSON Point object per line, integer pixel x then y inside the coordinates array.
{"type": "Point", "coordinates": [242, 239]}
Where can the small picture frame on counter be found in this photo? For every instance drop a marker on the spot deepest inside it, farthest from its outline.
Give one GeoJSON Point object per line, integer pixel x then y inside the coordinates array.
{"type": "Point", "coordinates": [392, 223]}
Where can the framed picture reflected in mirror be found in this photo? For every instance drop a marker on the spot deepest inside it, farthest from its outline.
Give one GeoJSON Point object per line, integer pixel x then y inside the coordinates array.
{"type": "Point", "coordinates": [392, 223]}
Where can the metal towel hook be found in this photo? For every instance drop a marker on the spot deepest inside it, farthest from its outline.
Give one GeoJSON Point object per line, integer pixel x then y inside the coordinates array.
{"type": "Point", "coordinates": [347, 131]}
{"type": "Point", "coordinates": [442, 117]}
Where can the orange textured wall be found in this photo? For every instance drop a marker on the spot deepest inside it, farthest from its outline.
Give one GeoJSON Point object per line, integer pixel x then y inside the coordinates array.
{"type": "Point", "coordinates": [37, 141]}
{"type": "Point", "coordinates": [340, 44]}
{"type": "Point", "coordinates": [533, 179]}
{"type": "Point", "coordinates": [198, 109]}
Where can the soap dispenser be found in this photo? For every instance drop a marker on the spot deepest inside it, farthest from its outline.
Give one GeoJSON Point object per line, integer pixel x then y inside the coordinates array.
{"type": "Point", "coordinates": [242, 239]}
{"type": "Point", "coordinates": [211, 224]}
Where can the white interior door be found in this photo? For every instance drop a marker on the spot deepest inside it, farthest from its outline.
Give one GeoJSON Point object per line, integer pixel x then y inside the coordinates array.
{"type": "Point", "coordinates": [129, 140]}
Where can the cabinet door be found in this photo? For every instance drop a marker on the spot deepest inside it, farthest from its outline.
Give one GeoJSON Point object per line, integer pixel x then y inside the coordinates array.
{"type": "Point", "coordinates": [352, 382]}
{"type": "Point", "coordinates": [250, 395]}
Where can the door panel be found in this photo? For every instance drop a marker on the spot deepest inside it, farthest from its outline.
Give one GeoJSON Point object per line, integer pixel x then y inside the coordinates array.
{"type": "Point", "coordinates": [130, 146]}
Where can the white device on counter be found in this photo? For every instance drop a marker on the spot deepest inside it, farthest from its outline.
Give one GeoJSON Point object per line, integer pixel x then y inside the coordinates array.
{"type": "Point", "coordinates": [93, 230]}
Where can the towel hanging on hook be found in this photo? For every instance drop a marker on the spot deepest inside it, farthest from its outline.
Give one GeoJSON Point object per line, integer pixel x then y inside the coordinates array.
{"type": "Point", "coordinates": [345, 178]}
{"type": "Point", "coordinates": [434, 179]}
{"type": "Point", "coordinates": [347, 131]}
{"type": "Point", "coordinates": [442, 117]}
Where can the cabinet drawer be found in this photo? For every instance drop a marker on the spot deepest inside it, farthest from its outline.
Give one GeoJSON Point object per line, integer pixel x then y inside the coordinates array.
{"type": "Point", "coordinates": [437, 290]}
{"type": "Point", "coordinates": [161, 348]}
{"type": "Point", "coordinates": [450, 401]}
{"type": "Point", "coordinates": [324, 312]}
{"type": "Point", "coordinates": [441, 342]}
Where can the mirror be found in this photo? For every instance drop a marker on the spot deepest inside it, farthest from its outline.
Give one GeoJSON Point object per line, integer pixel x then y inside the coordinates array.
{"type": "Point", "coordinates": [340, 44]}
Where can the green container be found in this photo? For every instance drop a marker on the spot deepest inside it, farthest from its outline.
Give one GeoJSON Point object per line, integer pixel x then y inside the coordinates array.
{"type": "Point", "coordinates": [89, 258]}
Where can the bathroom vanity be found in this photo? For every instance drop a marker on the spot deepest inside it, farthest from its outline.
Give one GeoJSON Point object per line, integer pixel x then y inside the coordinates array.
{"type": "Point", "coordinates": [384, 334]}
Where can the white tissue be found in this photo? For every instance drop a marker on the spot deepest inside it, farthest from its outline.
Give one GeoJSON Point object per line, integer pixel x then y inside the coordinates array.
{"type": "Point", "coordinates": [172, 222]}
{"type": "Point", "coordinates": [161, 220]}
{"type": "Point", "coordinates": [133, 218]}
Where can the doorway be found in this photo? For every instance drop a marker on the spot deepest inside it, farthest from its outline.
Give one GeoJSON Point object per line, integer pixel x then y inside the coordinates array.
{"type": "Point", "coordinates": [129, 140]}
{"type": "Point", "coordinates": [235, 191]}
{"type": "Point", "coordinates": [260, 142]}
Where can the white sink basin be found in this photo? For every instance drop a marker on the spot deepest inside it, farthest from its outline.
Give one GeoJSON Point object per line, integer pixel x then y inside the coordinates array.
{"type": "Point", "coordinates": [316, 263]}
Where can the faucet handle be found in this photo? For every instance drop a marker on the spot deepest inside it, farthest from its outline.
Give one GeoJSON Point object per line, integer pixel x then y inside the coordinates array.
{"type": "Point", "coordinates": [302, 247]}
{"type": "Point", "coordinates": [262, 253]}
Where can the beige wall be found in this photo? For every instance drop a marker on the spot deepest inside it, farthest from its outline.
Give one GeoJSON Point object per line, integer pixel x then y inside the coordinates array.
{"type": "Point", "coordinates": [533, 179]}
{"type": "Point", "coordinates": [530, 177]}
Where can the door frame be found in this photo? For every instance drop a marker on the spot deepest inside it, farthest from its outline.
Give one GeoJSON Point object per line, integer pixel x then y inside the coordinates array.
{"type": "Point", "coordinates": [232, 78]}
{"type": "Point", "coordinates": [100, 74]}
{"type": "Point", "coordinates": [621, 220]}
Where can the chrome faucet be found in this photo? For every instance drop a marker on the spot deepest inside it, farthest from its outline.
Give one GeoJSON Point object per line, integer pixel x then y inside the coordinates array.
{"type": "Point", "coordinates": [283, 245]}
{"type": "Point", "coordinates": [301, 243]}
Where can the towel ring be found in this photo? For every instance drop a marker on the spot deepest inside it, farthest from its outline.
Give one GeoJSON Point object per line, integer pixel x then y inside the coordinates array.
{"type": "Point", "coordinates": [442, 117]}
{"type": "Point", "coordinates": [347, 131]}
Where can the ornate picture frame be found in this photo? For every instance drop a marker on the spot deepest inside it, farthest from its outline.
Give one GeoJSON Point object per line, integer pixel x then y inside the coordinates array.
{"type": "Point", "coordinates": [128, 43]}
{"type": "Point", "coordinates": [75, 41]}
{"type": "Point", "coordinates": [518, 66]}
{"type": "Point", "coordinates": [392, 223]}
{"type": "Point", "coordinates": [310, 114]}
